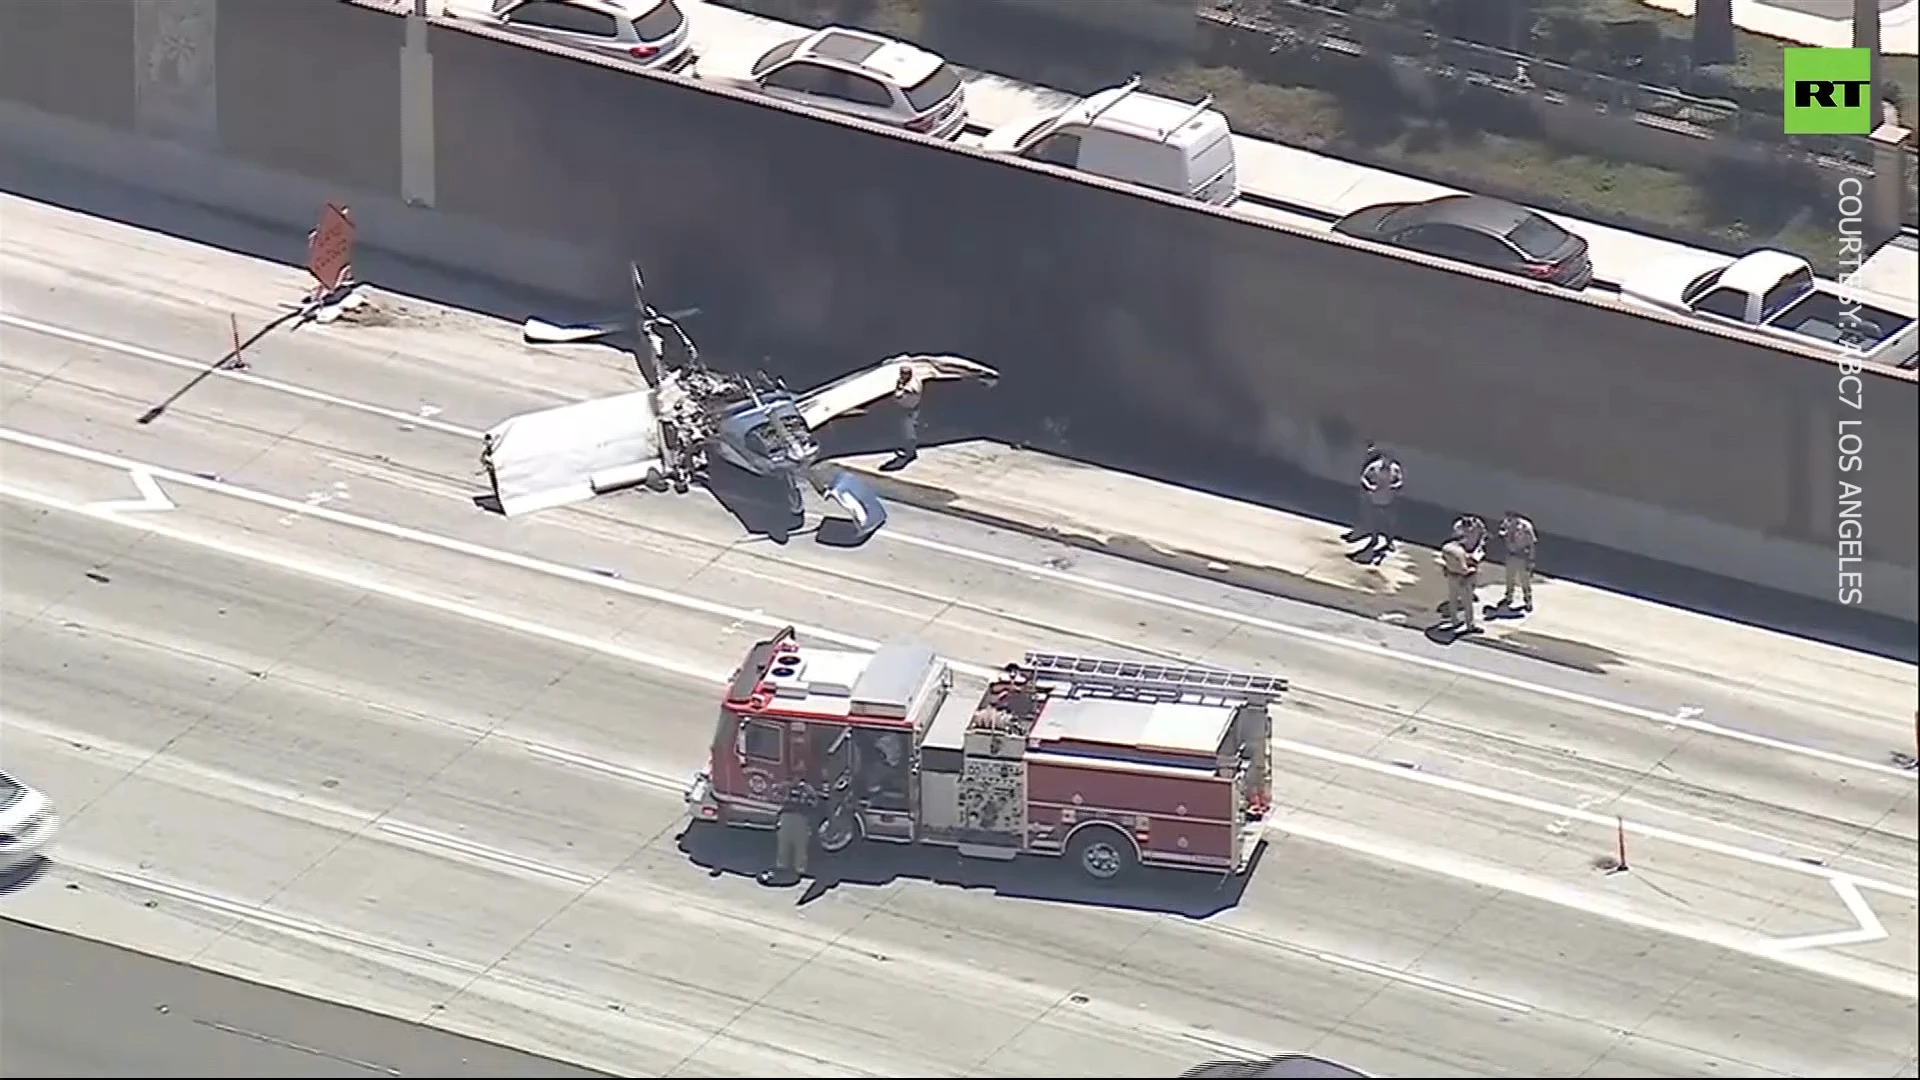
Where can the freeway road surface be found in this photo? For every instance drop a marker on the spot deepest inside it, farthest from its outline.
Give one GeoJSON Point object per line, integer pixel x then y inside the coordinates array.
{"type": "Point", "coordinates": [315, 720]}
{"type": "Point", "coordinates": [59, 993]}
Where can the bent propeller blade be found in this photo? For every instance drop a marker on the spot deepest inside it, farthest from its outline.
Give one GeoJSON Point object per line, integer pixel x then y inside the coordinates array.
{"type": "Point", "coordinates": [649, 352]}
{"type": "Point", "coordinates": [542, 332]}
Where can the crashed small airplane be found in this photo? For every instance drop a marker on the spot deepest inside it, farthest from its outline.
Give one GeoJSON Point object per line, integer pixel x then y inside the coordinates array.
{"type": "Point", "coordinates": [664, 436]}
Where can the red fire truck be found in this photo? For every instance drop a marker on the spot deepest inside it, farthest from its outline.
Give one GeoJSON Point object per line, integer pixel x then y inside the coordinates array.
{"type": "Point", "coordinates": [1114, 764]}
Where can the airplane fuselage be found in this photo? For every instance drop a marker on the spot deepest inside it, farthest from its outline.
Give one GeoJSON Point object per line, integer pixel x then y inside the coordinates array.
{"type": "Point", "coordinates": [766, 436]}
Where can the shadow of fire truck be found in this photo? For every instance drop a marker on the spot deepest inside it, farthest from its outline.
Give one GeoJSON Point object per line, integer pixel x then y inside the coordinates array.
{"type": "Point", "coordinates": [1185, 893]}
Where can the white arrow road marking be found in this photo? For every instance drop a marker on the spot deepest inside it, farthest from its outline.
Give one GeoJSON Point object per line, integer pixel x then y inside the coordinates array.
{"type": "Point", "coordinates": [1871, 929]}
{"type": "Point", "coordinates": [151, 497]}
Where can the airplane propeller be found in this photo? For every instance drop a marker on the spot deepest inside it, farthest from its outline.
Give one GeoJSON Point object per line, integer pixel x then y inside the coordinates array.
{"type": "Point", "coordinates": [639, 331]}
{"type": "Point", "coordinates": [542, 332]}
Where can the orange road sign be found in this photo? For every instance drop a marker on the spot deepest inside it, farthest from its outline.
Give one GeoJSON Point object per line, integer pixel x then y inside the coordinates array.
{"type": "Point", "coordinates": [330, 247]}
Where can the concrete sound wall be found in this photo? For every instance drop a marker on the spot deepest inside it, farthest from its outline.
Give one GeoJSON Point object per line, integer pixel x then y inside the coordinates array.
{"type": "Point", "coordinates": [1113, 312]}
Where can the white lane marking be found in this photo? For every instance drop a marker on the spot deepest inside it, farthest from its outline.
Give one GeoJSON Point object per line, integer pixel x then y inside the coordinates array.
{"type": "Point", "coordinates": [643, 777]}
{"type": "Point", "coordinates": [251, 791]}
{"type": "Point", "coordinates": [1686, 717]}
{"type": "Point", "coordinates": [468, 851]}
{"type": "Point", "coordinates": [427, 539]}
{"type": "Point", "coordinates": [418, 418]}
{"type": "Point", "coordinates": [1565, 813]}
{"type": "Point", "coordinates": [1296, 824]}
{"type": "Point", "coordinates": [257, 914]}
{"type": "Point", "coordinates": [1869, 930]}
{"type": "Point", "coordinates": [151, 497]}
{"type": "Point", "coordinates": [1452, 989]}
{"type": "Point", "coordinates": [756, 618]}
{"type": "Point", "coordinates": [711, 919]}
{"type": "Point", "coordinates": [1881, 978]}
{"type": "Point", "coordinates": [401, 532]}
{"type": "Point", "coordinates": [354, 581]}
{"type": "Point", "coordinates": [288, 801]}
{"type": "Point", "coordinates": [1584, 790]}
{"type": "Point", "coordinates": [449, 846]}
{"type": "Point", "coordinates": [443, 845]}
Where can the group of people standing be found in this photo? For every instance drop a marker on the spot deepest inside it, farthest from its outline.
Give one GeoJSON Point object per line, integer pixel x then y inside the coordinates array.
{"type": "Point", "coordinates": [1463, 553]}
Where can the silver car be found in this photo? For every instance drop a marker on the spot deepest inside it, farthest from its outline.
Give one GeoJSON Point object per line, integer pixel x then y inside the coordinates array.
{"type": "Point", "coordinates": [652, 32]}
{"type": "Point", "coordinates": [854, 73]}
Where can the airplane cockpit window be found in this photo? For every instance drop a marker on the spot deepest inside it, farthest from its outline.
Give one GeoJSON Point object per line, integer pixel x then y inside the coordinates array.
{"type": "Point", "coordinates": [760, 440]}
{"type": "Point", "coordinates": [799, 435]}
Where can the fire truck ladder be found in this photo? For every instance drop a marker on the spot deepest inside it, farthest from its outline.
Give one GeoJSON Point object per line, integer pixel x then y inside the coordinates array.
{"type": "Point", "coordinates": [1126, 679]}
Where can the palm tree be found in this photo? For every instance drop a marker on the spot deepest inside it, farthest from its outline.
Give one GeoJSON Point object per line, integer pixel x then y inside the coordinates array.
{"type": "Point", "coordinates": [1713, 32]}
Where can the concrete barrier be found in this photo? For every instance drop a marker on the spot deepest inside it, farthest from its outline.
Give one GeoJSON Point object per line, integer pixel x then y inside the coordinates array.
{"type": "Point", "coordinates": [1113, 313]}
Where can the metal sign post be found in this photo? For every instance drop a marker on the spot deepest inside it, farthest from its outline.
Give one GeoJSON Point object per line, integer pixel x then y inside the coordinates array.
{"type": "Point", "coordinates": [330, 262]}
{"type": "Point", "coordinates": [330, 251]}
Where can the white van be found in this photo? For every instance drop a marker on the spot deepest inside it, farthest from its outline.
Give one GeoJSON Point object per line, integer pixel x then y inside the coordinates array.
{"type": "Point", "coordinates": [1130, 135]}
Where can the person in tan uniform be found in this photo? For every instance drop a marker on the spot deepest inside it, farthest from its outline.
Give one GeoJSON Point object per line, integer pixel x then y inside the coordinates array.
{"type": "Point", "coordinates": [906, 398]}
{"type": "Point", "coordinates": [1459, 564]}
{"type": "Point", "coordinates": [1522, 543]}
{"type": "Point", "coordinates": [1472, 530]}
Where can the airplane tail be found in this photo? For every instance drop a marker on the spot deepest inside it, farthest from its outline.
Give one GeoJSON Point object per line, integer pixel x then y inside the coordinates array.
{"type": "Point", "coordinates": [570, 453]}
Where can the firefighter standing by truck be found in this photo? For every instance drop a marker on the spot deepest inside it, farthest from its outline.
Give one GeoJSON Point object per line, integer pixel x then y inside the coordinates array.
{"type": "Point", "coordinates": [793, 834]}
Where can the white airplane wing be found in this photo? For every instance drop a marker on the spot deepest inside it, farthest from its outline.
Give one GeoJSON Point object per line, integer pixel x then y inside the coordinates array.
{"type": "Point", "coordinates": [571, 453]}
{"type": "Point", "coordinates": [862, 388]}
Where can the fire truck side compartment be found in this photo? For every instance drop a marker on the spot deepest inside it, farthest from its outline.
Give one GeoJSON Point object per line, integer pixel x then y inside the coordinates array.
{"type": "Point", "coordinates": [1182, 817]}
{"type": "Point", "coordinates": [1148, 768]}
{"type": "Point", "coordinates": [942, 754]}
{"type": "Point", "coordinates": [894, 679]}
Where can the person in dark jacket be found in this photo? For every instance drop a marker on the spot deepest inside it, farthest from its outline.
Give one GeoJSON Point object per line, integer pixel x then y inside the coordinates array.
{"type": "Point", "coordinates": [1381, 479]}
{"type": "Point", "coordinates": [793, 835]}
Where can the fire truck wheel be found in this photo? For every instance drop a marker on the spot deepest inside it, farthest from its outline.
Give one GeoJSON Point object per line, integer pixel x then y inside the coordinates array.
{"type": "Point", "coordinates": [839, 831]}
{"type": "Point", "coordinates": [1103, 854]}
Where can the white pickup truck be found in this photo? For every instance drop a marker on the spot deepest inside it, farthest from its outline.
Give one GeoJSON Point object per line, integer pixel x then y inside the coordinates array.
{"type": "Point", "coordinates": [1776, 293]}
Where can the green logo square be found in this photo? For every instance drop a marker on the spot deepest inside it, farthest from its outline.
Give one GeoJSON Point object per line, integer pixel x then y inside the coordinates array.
{"type": "Point", "coordinates": [1829, 92]}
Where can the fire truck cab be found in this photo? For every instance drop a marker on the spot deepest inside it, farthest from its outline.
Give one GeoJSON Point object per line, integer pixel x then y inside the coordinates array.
{"type": "Point", "coordinates": [1114, 764]}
